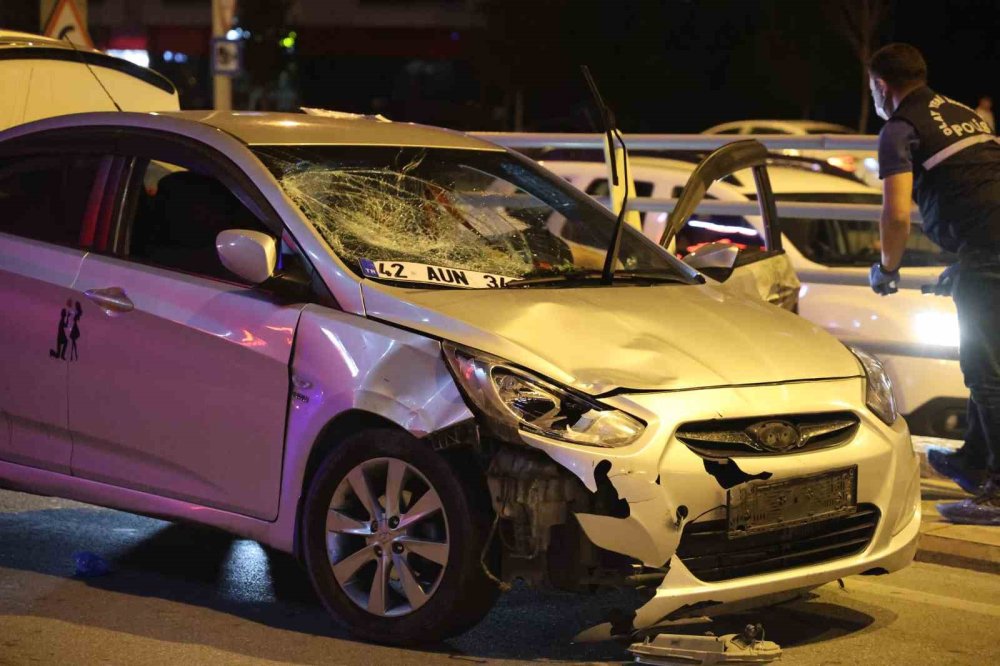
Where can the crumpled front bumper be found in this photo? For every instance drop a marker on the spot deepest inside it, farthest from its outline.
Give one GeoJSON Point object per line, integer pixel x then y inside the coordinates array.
{"type": "Point", "coordinates": [658, 474]}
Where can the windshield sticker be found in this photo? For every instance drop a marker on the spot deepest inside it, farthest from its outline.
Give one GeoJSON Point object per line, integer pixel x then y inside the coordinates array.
{"type": "Point", "coordinates": [409, 271]}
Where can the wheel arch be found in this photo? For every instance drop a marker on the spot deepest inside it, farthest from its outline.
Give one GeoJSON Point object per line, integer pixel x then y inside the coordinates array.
{"type": "Point", "coordinates": [335, 431]}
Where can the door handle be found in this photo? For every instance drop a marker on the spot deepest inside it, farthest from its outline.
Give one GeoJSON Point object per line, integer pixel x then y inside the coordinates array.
{"type": "Point", "coordinates": [113, 300]}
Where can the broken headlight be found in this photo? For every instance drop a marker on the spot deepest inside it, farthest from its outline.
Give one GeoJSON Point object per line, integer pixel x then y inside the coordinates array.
{"type": "Point", "coordinates": [521, 401]}
{"type": "Point", "coordinates": [878, 387]}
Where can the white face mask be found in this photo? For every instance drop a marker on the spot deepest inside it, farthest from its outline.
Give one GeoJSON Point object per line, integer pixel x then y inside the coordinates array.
{"type": "Point", "coordinates": [881, 103]}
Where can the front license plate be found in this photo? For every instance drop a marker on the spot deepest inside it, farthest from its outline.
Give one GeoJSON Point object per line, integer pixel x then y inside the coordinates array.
{"type": "Point", "coordinates": [762, 506]}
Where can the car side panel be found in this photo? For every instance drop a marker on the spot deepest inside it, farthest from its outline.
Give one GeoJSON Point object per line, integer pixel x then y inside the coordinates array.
{"type": "Point", "coordinates": [916, 335]}
{"type": "Point", "coordinates": [36, 282]}
{"type": "Point", "coordinates": [185, 396]}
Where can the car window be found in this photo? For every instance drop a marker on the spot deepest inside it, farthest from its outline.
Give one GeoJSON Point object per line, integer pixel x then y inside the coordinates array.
{"type": "Point", "coordinates": [703, 229]}
{"type": "Point", "coordinates": [766, 130]}
{"type": "Point", "coordinates": [731, 130]}
{"type": "Point", "coordinates": [177, 216]}
{"type": "Point", "coordinates": [730, 229]}
{"type": "Point", "coordinates": [830, 130]}
{"type": "Point", "coordinates": [850, 242]}
{"type": "Point", "coordinates": [599, 188]}
{"type": "Point", "coordinates": [47, 198]}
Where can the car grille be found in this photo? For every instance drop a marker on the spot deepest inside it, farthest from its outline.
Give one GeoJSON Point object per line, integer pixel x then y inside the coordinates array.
{"type": "Point", "coordinates": [711, 556]}
{"type": "Point", "coordinates": [725, 438]}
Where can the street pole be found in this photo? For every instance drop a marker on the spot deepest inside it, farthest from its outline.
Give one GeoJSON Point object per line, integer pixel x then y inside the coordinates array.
{"type": "Point", "coordinates": [222, 21]}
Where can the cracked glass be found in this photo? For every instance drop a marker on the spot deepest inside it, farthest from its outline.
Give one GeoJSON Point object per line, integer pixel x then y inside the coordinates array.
{"type": "Point", "coordinates": [486, 212]}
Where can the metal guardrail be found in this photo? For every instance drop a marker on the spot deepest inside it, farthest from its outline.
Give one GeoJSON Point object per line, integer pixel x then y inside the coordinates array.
{"type": "Point", "coordinates": [833, 211]}
{"type": "Point", "coordinates": [807, 211]}
{"type": "Point", "coordinates": [681, 141]}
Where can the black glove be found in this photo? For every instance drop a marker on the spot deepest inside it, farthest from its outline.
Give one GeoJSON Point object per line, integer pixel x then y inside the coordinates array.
{"type": "Point", "coordinates": [946, 281]}
{"type": "Point", "coordinates": [883, 282]}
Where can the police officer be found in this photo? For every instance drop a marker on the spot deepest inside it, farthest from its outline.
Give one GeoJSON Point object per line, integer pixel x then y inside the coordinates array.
{"type": "Point", "coordinates": [946, 157]}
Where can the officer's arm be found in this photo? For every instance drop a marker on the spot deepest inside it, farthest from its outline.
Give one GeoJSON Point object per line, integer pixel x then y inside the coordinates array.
{"type": "Point", "coordinates": [897, 192]}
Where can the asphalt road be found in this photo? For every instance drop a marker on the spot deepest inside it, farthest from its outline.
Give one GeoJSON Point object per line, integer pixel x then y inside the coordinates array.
{"type": "Point", "coordinates": [179, 594]}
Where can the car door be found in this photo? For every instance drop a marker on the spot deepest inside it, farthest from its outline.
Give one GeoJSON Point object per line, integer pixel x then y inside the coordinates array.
{"type": "Point", "coordinates": [762, 268]}
{"type": "Point", "coordinates": [182, 383]}
{"type": "Point", "coordinates": [45, 194]}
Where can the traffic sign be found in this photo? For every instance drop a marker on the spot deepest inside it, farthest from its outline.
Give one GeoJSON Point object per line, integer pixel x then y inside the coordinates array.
{"type": "Point", "coordinates": [227, 57]}
{"type": "Point", "coordinates": [66, 22]}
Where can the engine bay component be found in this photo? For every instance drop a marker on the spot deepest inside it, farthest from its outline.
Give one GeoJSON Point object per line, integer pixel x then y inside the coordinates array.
{"type": "Point", "coordinates": [531, 494]}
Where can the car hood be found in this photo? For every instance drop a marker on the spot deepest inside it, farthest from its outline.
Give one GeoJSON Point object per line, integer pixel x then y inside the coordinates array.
{"type": "Point", "coordinates": [668, 337]}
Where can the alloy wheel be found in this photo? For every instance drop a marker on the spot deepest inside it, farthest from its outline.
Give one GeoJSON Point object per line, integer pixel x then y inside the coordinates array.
{"type": "Point", "coordinates": [387, 537]}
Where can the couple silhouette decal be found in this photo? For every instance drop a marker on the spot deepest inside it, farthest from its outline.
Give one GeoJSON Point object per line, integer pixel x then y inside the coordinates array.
{"type": "Point", "coordinates": [64, 341]}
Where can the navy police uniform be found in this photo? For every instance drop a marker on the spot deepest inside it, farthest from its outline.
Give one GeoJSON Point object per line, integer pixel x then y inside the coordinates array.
{"type": "Point", "coordinates": [955, 160]}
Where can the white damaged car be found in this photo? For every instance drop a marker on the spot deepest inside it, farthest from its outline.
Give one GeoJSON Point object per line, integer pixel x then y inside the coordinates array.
{"type": "Point", "coordinates": [362, 343]}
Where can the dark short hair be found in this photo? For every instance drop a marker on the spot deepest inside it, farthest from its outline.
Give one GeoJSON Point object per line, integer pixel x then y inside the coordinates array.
{"type": "Point", "coordinates": [899, 65]}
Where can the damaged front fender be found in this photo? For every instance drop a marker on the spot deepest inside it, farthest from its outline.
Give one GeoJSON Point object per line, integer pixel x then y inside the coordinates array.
{"type": "Point", "coordinates": [344, 363]}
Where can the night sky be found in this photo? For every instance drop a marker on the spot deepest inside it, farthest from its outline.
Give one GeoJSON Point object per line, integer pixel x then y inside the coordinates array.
{"type": "Point", "coordinates": [663, 66]}
{"type": "Point", "coordinates": [681, 66]}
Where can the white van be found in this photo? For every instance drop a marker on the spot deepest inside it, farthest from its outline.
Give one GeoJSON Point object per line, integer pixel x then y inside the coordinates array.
{"type": "Point", "coordinates": [42, 77]}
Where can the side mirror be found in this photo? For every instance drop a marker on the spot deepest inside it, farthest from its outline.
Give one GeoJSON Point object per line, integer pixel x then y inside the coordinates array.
{"type": "Point", "coordinates": [249, 254]}
{"type": "Point", "coordinates": [716, 260]}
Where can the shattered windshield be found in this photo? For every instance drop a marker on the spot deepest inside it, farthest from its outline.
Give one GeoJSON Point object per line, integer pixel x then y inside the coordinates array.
{"type": "Point", "coordinates": [446, 217]}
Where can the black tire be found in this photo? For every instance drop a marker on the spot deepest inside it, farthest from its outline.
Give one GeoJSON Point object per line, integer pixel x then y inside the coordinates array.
{"type": "Point", "coordinates": [463, 595]}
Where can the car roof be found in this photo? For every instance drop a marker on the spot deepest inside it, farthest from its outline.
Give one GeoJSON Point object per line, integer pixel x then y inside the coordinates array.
{"type": "Point", "coordinates": [268, 128]}
{"type": "Point", "coordinates": [12, 38]}
{"type": "Point", "coordinates": [789, 180]}
{"type": "Point", "coordinates": [788, 124]}
{"type": "Point", "coordinates": [26, 46]}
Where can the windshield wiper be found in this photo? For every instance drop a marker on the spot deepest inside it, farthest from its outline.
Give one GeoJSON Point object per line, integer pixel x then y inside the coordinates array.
{"type": "Point", "coordinates": [611, 133]}
{"type": "Point", "coordinates": [583, 277]}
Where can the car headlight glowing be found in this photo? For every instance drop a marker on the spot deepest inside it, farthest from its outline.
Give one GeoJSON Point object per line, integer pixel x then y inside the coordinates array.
{"type": "Point", "coordinates": [516, 399]}
{"type": "Point", "coordinates": [936, 328]}
{"type": "Point", "coordinates": [878, 387]}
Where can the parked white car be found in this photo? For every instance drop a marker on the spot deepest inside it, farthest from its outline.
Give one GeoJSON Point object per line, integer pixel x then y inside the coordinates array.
{"type": "Point", "coordinates": [361, 342]}
{"type": "Point", "coordinates": [915, 335]}
{"type": "Point", "coordinates": [862, 164]}
{"type": "Point", "coordinates": [42, 77]}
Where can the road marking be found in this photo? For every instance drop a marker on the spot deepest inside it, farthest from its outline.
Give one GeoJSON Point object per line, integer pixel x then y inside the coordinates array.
{"type": "Point", "coordinates": [942, 601]}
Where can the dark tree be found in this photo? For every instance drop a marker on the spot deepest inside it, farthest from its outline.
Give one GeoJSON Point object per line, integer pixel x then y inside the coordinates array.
{"type": "Point", "coordinates": [858, 22]}
{"type": "Point", "coordinates": [20, 15]}
{"type": "Point", "coordinates": [264, 58]}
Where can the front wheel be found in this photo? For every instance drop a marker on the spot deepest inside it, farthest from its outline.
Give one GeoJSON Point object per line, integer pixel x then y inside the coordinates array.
{"type": "Point", "coordinates": [393, 537]}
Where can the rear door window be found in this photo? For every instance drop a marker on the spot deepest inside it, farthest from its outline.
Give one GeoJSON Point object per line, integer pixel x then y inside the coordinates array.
{"type": "Point", "coordinates": [833, 242]}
